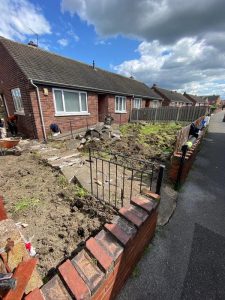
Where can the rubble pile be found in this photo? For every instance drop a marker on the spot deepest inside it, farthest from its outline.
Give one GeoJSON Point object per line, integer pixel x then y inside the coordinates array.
{"type": "Point", "coordinates": [99, 134]}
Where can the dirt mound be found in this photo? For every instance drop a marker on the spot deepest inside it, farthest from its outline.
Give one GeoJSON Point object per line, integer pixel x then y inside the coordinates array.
{"type": "Point", "coordinates": [41, 197]}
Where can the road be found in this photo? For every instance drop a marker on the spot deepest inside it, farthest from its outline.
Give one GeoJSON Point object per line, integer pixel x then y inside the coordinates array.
{"type": "Point", "coordinates": [187, 258]}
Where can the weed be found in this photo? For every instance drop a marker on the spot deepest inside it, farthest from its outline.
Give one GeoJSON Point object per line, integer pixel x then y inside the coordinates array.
{"type": "Point", "coordinates": [62, 181]}
{"type": "Point", "coordinates": [25, 203]}
{"type": "Point", "coordinates": [136, 272]}
{"type": "Point", "coordinates": [36, 155]}
{"type": "Point", "coordinates": [80, 192]}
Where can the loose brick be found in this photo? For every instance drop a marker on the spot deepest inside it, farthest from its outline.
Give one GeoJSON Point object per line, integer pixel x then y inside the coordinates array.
{"type": "Point", "coordinates": [134, 214]}
{"type": "Point", "coordinates": [73, 280]}
{"type": "Point", "coordinates": [88, 270]}
{"type": "Point", "coordinates": [54, 289]}
{"type": "Point", "coordinates": [22, 275]}
{"type": "Point", "coordinates": [99, 253]}
{"type": "Point", "coordinates": [144, 203]}
{"type": "Point", "coordinates": [109, 243]}
{"type": "Point", "coordinates": [35, 295]}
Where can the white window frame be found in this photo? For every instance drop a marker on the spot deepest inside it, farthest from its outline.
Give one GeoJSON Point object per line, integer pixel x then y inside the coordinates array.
{"type": "Point", "coordinates": [122, 111]}
{"type": "Point", "coordinates": [135, 101]}
{"type": "Point", "coordinates": [64, 113]}
{"type": "Point", "coordinates": [17, 100]}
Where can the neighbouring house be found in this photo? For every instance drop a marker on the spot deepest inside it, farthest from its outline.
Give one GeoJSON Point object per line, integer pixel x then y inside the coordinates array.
{"type": "Point", "coordinates": [213, 99]}
{"type": "Point", "coordinates": [43, 88]}
{"type": "Point", "coordinates": [197, 100]}
{"type": "Point", "coordinates": [171, 98]}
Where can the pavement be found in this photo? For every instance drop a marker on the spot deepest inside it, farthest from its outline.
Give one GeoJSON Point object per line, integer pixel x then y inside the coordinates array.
{"type": "Point", "coordinates": [187, 257]}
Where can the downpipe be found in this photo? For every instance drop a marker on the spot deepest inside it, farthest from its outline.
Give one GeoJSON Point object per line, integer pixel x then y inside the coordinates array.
{"type": "Point", "coordinates": [40, 109]}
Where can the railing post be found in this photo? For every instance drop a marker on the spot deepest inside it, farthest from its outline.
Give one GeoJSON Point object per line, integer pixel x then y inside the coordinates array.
{"type": "Point", "coordinates": [91, 170]}
{"type": "Point", "coordinates": [159, 179]}
{"type": "Point", "coordinates": [182, 160]}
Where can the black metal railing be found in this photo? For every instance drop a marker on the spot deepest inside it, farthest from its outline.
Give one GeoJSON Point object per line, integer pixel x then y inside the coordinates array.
{"type": "Point", "coordinates": [115, 177]}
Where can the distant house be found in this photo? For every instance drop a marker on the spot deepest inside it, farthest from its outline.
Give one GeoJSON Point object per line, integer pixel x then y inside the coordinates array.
{"type": "Point", "coordinates": [213, 99]}
{"type": "Point", "coordinates": [44, 88]}
{"type": "Point", "coordinates": [197, 100]}
{"type": "Point", "coordinates": [171, 98]}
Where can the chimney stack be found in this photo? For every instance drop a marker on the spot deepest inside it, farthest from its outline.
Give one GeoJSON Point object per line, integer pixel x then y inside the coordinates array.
{"type": "Point", "coordinates": [31, 43]}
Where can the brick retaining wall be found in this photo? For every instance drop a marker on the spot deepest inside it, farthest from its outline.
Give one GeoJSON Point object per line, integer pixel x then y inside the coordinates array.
{"type": "Point", "coordinates": [189, 160]}
{"type": "Point", "coordinates": [100, 270]}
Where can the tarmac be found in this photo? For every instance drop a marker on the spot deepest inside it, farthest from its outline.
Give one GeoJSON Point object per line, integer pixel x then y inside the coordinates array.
{"type": "Point", "coordinates": [187, 257]}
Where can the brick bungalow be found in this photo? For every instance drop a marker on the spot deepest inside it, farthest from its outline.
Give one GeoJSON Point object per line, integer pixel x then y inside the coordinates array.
{"type": "Point", "coordinates": [197, 100]}
{"type": "Point", "coordinates": [44, 88]}
{"type": "Point", "coordinates": [171, 98]}
{"type": "Point", "coordinates": [213, 99]}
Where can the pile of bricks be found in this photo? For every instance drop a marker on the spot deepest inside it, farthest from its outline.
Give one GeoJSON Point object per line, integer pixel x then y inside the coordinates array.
{"type": "Point", "coordinates": [100, 270]}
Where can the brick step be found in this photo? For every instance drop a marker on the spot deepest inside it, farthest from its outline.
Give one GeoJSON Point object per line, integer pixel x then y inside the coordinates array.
{"type": "Point", "coordinates": [145, 203]}
{"type": "Point", "coordinates": [88, 270]}
{"type": "Point", "coordinates": [134, 214]}
{"type": "Point", "coordinates": [74, 281]}
{"type": "Point", "coordinates": [150, 194]}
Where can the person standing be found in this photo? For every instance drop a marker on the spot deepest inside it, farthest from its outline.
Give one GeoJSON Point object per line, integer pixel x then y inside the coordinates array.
{"type": "Point", "coordinates": [11, 121]}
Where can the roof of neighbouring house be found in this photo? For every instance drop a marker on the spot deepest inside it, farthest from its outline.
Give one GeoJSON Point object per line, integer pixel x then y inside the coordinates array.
{"type": "Point", "coordinates": [48, 68]}
{"type": "Point", "coordinates": [171, 95]}
{"type": "Point", "coordinates": [198, 99]}
{"type": "Point", "coordinates": [212, 97]}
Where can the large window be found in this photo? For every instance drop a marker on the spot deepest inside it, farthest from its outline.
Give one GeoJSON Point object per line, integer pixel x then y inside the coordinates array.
{"type": "Point", "coordinates": [17, 100]}
{"type": "Point", "coordinates": [137, 103]}
{"type": "Point", "coordinates": [120, 104]}
{"type": "Point", "coordinates": [70, 102]}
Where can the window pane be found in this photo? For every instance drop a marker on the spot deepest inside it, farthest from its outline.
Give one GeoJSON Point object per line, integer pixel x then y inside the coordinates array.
{"type": "Point", "coordinates": [18, 104]}
{"type": "Point", "coordinates": [124, 104]}
{"type": "Point", "coordinates": [120, 104]}
{"type": "Point", "coordinates": [58, 100]}
{"type": "Point", "coordinates": [117, 103]}
{"type": "Point", "coordinates": [71, 100]}
{"type": "Point", "coordinates": [83, 101]}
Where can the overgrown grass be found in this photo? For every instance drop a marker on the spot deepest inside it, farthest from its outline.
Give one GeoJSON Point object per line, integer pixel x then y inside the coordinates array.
{"type": "Point", "coordinates": [25, 204]}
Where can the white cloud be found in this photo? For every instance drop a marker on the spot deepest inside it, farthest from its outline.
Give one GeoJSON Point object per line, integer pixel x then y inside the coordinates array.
{"type": "Point", "coordinates": [189, 64]}
{"type": "Point", "coordinates": [63, 42]}
{"type": "Point", "coordinates": [165, 20]}
{"type": "Point", "coordinates": [73, 35]}
{"type": "Point", "coordinates": [18, 17]}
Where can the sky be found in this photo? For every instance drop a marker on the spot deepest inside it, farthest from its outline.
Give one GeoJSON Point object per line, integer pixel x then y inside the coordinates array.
{"type": "Point", "coordinates": [177, 44]}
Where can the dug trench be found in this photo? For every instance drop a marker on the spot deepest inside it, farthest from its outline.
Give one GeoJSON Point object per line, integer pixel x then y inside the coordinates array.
{"type": "Point", "coordinates": [56, 215]}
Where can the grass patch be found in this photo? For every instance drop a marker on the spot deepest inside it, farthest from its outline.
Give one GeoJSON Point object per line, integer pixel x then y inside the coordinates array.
{"type": "Point", "coordinates": [25, 204]}
{"type": "Point", "coordinates": [62, 181]}
{"type": "Point", "coordinates": [136, 272]}
{"type": "Point", "coordinates": [80, 192]}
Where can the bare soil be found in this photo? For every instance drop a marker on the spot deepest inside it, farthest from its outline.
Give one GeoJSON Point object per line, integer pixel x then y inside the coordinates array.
{"type": "Point", "coordinates": [59, 215]}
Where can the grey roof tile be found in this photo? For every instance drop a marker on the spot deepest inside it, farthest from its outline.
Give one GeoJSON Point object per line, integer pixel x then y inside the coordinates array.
{"type": "Point", "coordinates": [46, 67]}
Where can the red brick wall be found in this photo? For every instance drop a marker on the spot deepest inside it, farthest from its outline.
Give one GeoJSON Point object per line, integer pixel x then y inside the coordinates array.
{"type": "Point", "coordinates": [79, 121]}
{"type": "Point", "coordinates": [99, 271]}
{"type": "Point", "coordinates": [119, 117]}
{"type": "Point", "coordinates": [11, 77]}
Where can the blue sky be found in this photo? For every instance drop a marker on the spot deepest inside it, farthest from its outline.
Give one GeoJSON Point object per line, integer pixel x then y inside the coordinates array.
{"type": "Point", "coordinates": [175, 44]}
